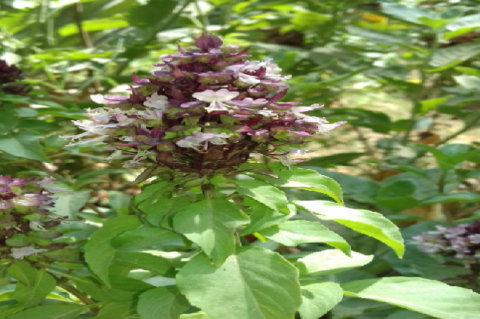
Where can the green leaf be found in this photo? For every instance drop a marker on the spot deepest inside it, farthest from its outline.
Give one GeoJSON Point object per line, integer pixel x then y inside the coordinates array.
{"type": "Point", "coordinates": [142, 238]}
{"type": "Point", "coordinates": [318, 298]}
{"type": "Point", "coordinates": [100, 292]}
{"type": "Point", "coordinates": [157, 210]}
{"type": "Point", "coordinates": [331, 261]}
{"type": "Point", "coordinates": [155, 264]}
{"type": "Point", "coordinates": [211, 224]}
{"type": "Point", "coordinates": [337, 159]}
{"type": "Point", "coordinates": [117, 310]}
{"type": "Point", "coordinates": [304, 20]}
{"type": "Point", "coordinates": [29, 296]}
{"type": "Point", "coordinates": [264, 193]}
{"type": "Point", "coordinates": [432, 104]}
{"type": "Point", "coordinates": [405, 13]}
{"type": "Point", "coordinates": [470, 82]}
{"type": "Point", "coordinates": [306, 179]}
{"type": "Point", "coordinates": [363, 221]}
{"type": "Point", "coordinates": [120, 202]}
{"type": "Point", "coordinates": [255, 283]}
{"type": "Point", "coordinates": [296, 232]}
{"type": "Point", "coordinates": [162, 302]}
{"type": "Point", "coordinates": [197, 315]}
{"type": "Point", "coordinates": [456, 53]}
{"type": "Point", "coordinates": [469, 71]}
{"type": "Point", "coordinates": [23, 272]}
{"type": "Point", "coordinates": [375, 36]}
{"type": "Point", "coordinates": [451, 198]}
{"type": "Point", "coordinates": [151, 14]}
{"type": "Point", "coordinates": [50, 312]}
{"type": "Point", "coordinates": [8, 120]}
{"type": "Point", "coordinates": [70, 204]}
{"type": "Point", "coordinates": [93, 25]}
{"type": "Point", "coordinates": [360, 189]}
{"type": "Point", "coordinates": [397, 195]}
{"type": "Point", "coordinates": [430, 297]}
{"type": "Point", "coordinates": [99, 252]}
{"type": "Point", "coordinates": [443, 160]}
{"type": "Point", "coordinates": [23, 144]}
{"type": "Point", "coordinates": [470, 21]}
{"type": "Point", "coordinates": [261, 217]}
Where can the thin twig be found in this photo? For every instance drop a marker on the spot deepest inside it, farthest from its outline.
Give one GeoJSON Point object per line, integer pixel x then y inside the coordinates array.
{"type": "Point", "coordinates": [96, 210]}
{"type": "Point", "coordinates": [77, 17]}
{"type": "Point", "coordinates": [152, 37]}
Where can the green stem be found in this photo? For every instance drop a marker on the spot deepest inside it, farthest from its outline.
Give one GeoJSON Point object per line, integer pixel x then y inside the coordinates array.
{"type": "Point", "coordinates": [420, 95]}
{"type": "Point", "coordinates": [466, 128]}
{"type": "Point", "coordinates": [208, 191]}
{"type": "Point", "coordinates": [152, 37]}
{"type": "Point", "coordinates": [441, 189]}
{"type": "Point", "coordinates": [203, 17]}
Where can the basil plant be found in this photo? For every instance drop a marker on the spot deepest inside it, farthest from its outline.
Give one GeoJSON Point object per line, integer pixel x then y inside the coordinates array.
{"type": "Point", "coordinates": [217, 150]}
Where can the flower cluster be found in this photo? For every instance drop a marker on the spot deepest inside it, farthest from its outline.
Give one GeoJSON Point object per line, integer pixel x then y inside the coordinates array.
{"type": "Point", "coordinates": [27, 224]}
{"type": "Point", "coordinates": [460, 242]}
{"type": "Point", "coordinates": [203, 110]}
{"type": "Point", "coordinates": [9, 74]}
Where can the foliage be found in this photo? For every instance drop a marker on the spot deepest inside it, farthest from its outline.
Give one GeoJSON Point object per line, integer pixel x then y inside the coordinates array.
{"type": "Point", "coordinates": [319, 239]}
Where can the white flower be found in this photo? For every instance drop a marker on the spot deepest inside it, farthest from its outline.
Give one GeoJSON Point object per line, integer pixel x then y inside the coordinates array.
{"type": "Point", "coordinates": [47, 183]}
{"type": "Point", "coordinates": [98, 98]}
{"type": "Point", "coordinates": [249, 79]}
{"type": "Point", "coordinates": [19, 253]}
{"type": "Point", "coordinates": [157, 101]}
{"type": "Point", "coordinates": [268, 113]}
{"type": "Point", "coordinates": [322, 124]}
{"type": "Point", "coordinates": [285, 160]}
{"type": "Point", "coordinates": [36, 226]}
{"type": "Point", "coordinates": [140, 156]}
{"type": "Point", "coordinates": [198, 138]}
{"type": "Point", "coordinates": [114, 155]}
{"type": "Point", "coordinates": [301, 109]}
{"type": "Point", "coordinates": [151, 114]}
{"type": "Point", "coordinates": [216, 99]}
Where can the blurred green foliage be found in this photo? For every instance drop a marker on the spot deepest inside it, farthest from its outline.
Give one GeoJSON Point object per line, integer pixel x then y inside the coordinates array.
{"type": "Point", "coordinates": [420, 56]}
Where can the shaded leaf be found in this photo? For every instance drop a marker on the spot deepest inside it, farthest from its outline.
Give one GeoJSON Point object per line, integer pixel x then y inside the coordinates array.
{"type": "Point", "coordinates": [50, 312]}
{"type": "Point", "coordinates": [155, 264]}
{"type": "Point", "coordinates": [264, 193]}
{"type": "Point", "coordinates": [296, 232]}
{"type": "Point", "coordinates": [319, 297]}
{"type": "Point", "coordinates": [162, 302]}
{"type": "Point", "coordinates": [456, 53]}
{"type": "Point", "coordinates": [23, 144]}
{"type": "Point", "coordinates": [211, 224]}
{"type": "Point", "coordinates": [99, 252]}
{"type": "Point", "coordinates": [142, 238]}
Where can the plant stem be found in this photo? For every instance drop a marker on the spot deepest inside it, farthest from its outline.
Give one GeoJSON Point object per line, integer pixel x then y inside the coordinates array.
{"type": "Point", "coordinates": [77, 293]}
{"type": "Point", "coordinates": [420, 94]}
{"type": "Point", "coordinates": [441, 190]}
{"type": "Point", "coordinates": [152, 37]}
{"type": "Point", "coordinates": [77, 16]}
{"type": "Point", "coordinates": [466, 128]}
{"type": "Point", "coordinates": [203, 18]}
{"type": "Point", "coordinates": [208, 191]}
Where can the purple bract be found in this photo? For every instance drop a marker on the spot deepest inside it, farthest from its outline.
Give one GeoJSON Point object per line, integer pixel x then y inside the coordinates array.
{"type": "Point", "coordinates": [203, 110]}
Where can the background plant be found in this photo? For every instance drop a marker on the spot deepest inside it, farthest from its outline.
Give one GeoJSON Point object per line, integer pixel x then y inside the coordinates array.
{"type": "Point", "coordinates": [402, 74]}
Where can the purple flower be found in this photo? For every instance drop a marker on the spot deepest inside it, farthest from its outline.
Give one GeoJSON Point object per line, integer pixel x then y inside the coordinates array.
{"type": "Point", "coordinates": [204, 109]}
{"type": "Point", "coordinates": [461, 242]}
{"type": "Point", "coordinates": [25, 206]}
